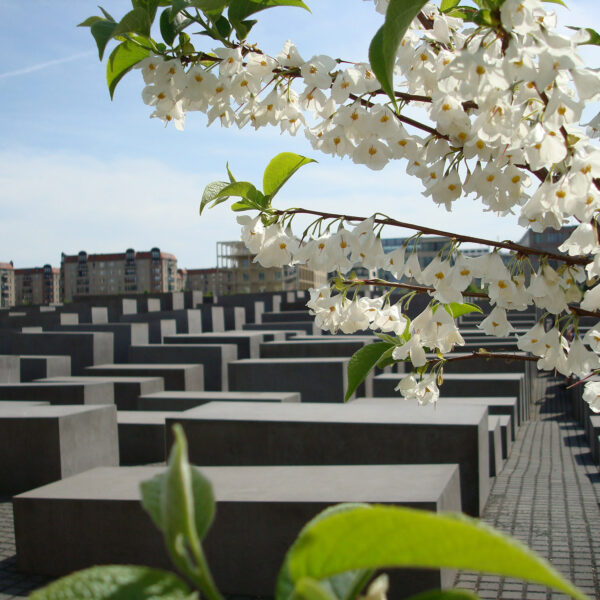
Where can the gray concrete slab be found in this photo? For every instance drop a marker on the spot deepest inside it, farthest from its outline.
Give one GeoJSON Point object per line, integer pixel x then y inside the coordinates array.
{"type": "Point", "coordinates": [124, 335]}
{"type": "Point", "coordinates": [40, 444]}
{"type": "Point", "coordinates": [304, 326]}
{"type": "Point", "coordinates": [317, 379]}
{"type": "Point", "coordinates": [38, 367]}
{"type": "Point", "coordinates": [464, 385]}
{"type": "Point", "coordinates": [85, 349]}
{"type": "Point", "coordinates": [260, 433]}
{"type": "Point", "coordinates": [495, 439]}
{"type": "Point", "coordinates": [186, 321]}
{"type": "Point", "coordinates": [179, 401]}
{"type": "Point", "coordinates": [158, 324]}
{"type": "Point", "coordinates": [127, 389]}
{"type": "Point", "coordinates": [62, 527]}
{"type": "Point", "coordinates": [214, 358]}
{"type": "Point", "coordinates": [298, 348]}
{"type": "Point", "coordinates": [60, 392]}
{"type": "Point", "coordinates": [247, 342]}
{"type": "Point", "coordinates": [10, 369]}
{"type": "Point", "coordinates": [142, 437]}
{"type": "Point", "coordinates": [183, 377]}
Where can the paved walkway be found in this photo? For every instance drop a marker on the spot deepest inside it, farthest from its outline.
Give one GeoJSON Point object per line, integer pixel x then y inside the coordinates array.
{"type": "Point", "coordinates": [547, 496]}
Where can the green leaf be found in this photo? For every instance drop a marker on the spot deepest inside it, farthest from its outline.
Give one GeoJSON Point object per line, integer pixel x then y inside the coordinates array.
{"type": "Point", "coordinates": [90, 21]}
{"type": "Point", "coordinates": [108, 16]}
{"type": "Point", "coordinates": [240, 9]}
{"type": "Point", "coordinates": [229, 173]}
{"type": "Point", "coordinates": [594, 36]}
{"type": "Point", "coordinates": [210, 193]}
{"type": "Point", "coordinates": [102, 31]}
{"type": "Point", "coordinates": [241, 189]}
{"type": "Point", "coordinates": [383, 536]}
{"type": "Point", "coordinates": [386, 358]}
{"type": "Point", "coordinates": [456, 310]}
{"type": "Point", "coordinates": [223, 26]}
{"type": "Point", "coordinates": [310, 589]}
{"type": "Point", "coordinates": [556, 2]}
{"type": "Point", "coordinates": [342, 586]}
{"type": "Point", "coordinates": [188, 504]}
{"type": "Point", "coordinates": [445, 595]}
{"type": "Point", "coordinates": [382, 51]}
{"type": "Point", "coordinates": [167, 28]}
{"type": "Point", "coordinates": [122, 59]}
{"type": "Point", "coordinates": [115, 582]}
{"type": "Point", "coordinates": [206, 6]}
{"type": "Point", "coordinates": [280, 169]}
{"type": "Point", "coordinates": [135, 21]}
{"type": "Point", "coordinates": [387, 338]}
{"type": "Point", "coordinates": [447, 5]}
{"type": "Point", "coordinates": [361, 363]}
{"type": "Point", "coordinates": [242, 206]}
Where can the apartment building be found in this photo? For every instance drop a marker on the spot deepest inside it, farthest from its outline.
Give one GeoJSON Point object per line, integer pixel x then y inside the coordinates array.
{"type": "Point", "coordinates": [7, 285]}
{"type": "Point", "coordinates": [129, 272]}
{"type": "Point", "coordinates": [38, 285]}
{"type": "Point", "coordinates": [236, 273]}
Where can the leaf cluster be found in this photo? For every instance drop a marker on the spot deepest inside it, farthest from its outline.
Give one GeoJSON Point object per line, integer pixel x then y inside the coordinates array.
{"type": "Point", "coordinates": [217, 19]}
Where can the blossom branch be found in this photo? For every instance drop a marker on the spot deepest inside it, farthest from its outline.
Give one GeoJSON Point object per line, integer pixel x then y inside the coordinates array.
{"type": "Point", "coordinates": [506, 245]}
{"type": "Point", "coordinates": [486, 355]}
{"type": "Point", "coordinates": [419, 289]}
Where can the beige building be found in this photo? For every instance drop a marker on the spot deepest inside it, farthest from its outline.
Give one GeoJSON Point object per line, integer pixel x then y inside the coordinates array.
{"type": "Point", "coordinates": [38, 285]}
{"type": "Point", "coordinates": [237, 274]}
{"type": "Point", "coordinates": [125, 273]}
{"type": "Point", "coordinates": [7, 285]}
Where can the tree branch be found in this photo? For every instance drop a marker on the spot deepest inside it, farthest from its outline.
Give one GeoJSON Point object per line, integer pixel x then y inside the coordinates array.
{"type": "Point", "coordinates": [506, 245]}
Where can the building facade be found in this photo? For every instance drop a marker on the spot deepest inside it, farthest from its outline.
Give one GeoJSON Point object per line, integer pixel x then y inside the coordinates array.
{"type": "Point", "coordinates": [38, 285]}
{"type": "Point", "coordinates": [129, 272]}
{"type": "Point", "coordinates": [7, 285]}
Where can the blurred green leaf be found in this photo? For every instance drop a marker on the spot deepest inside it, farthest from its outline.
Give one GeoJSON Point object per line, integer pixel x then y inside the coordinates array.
{"type": "Point", "coordinates": [122, 59]}
{"type": "Point", "coordinates": [90, 21]}
{"type": "Point", "coordinates": [240, 9]}
{"type": "Point", "coordinates": [594, 39]}
{"type": "Point", "coordinates": [447, 5]}
{"type": "Point", "coordinates": [383, 536]}
{"type": "Point", "coordinates": [445, 595]}
{"type": "Point", "coordinates": [115, 582]}
{"type": "Point", "coordinates": [343, 586]}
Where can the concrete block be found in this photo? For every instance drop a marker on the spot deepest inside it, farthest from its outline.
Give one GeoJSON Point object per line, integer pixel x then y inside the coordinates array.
{"type": "Point", "coordinates": [298, 348]}
{"type": "Point", "coordinates": [10, 369]}
{"type": "Point", "coordinates": [158, 325]}
{"type": "Point", "coordinates": [295, 316]}
{"type": "Point", "coordinates": [124, 335]}
{"type": "Point", "coordinates": [60, 392]}
{"type": "Point", "coordinates": [317, 380]}
{"type": "Point", "coordinates": [180, 401]}
{"type": "Point", "coordinates": [176, 377]}
{"type": "Point", "coordinates": [21, 403]}
{"type": "Point", "coordinates": [85, 349]}
{"type": "Point", "coordinates": [214, 358]}
{"type": "Point", "coordinates": [142, 437]}
{"type": "Point", "coordinates": [258, 433]}
{"type": "Point", "coordinates": [127, 389]}
{"type": "Point", "coordinates": [464, 385]}
{"type": "Point", "coordinates": [304, 326]}
{"type": "Point", "coordinates": [248, 343]}
{"type": "Point", "coordinates": [186, 321]}
{"type": "Point", "coordinates": [593, 438]}
{"type": "Point", "coordinates": [62, 527]}
{"type": "Point", "coordinates": [495, 440]}
{"type": "Point", "coordinates": [40, 444]}
{"type": "Point", "coordinates": [39, 367]}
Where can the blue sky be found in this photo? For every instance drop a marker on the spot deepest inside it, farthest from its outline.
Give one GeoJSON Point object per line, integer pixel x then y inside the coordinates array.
{"type": "Point", "coordinates": [78, 171]}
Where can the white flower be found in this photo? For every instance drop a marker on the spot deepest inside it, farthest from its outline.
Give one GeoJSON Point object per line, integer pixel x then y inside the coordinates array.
{"type": "Point", "coordinates": [253, 232]}
{"type": "Point", "coordinates": [316, 71]}
{"type": "Point", "coordinates": [496, 323]}
{"type": "Point", "coordinates": [591, 395]}
{"type": "Point", "coordinates": [276, 250]}
{"type": "Point", "coordinates": [413, 348]}
{"type": "Point", "coordinates": [580, 360]}
{"type": "Point", "coordinates": [581, 241]}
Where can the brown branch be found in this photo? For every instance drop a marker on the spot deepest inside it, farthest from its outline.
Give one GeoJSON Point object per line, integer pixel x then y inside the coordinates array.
{"type": "Point", "coordinates": [425, 21]}
{"type": "Point", "coordinates": [420, 289]}
{"type": "Point", "coordinates": [584, 313]}
{"type": "Point", "coordinates": [486, 355]}
{"type": "Point", "coordinates": [518, 248]}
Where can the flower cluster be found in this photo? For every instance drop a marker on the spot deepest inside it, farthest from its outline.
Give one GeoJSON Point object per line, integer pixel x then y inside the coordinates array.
{"type": "Point", "coordinates": [501, 107]}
